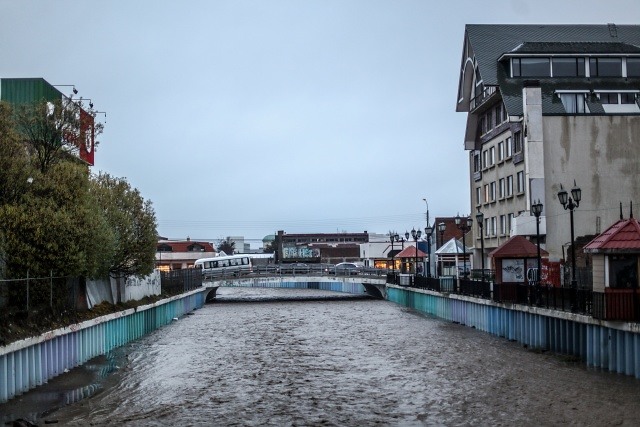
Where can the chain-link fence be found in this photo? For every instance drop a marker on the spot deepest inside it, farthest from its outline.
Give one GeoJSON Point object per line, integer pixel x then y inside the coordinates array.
{"type": "Point", "coordinates": [57, 293]}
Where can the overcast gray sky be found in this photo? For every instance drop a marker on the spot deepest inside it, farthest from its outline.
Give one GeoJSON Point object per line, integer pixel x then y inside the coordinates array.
{"type": "Point", "coordinates": [248, 117]}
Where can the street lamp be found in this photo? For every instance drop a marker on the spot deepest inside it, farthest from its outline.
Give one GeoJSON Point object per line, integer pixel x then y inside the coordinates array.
{"type": "Point", "coordinates": [480, 220]}
{"type": "Point", "coordinates": [464, 226]}
{"type": "Point", "coordinates": [393, 237]}
{"type": "Point", "coordinates": [441, 228]}
{"type": "Point", "coordinates": [415, 234]}
{"type": "Point", "coordinates": [536, 209]}
{"type": "Point", "coordinates": [571, 203]}
{"type": "Point", "coordinates": [428, 231]}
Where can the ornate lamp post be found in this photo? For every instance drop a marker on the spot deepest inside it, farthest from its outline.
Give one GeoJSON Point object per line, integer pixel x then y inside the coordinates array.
{"type": "Point", "coordinates": [428, 231]}
{"type": "Point", "coordinates": [571, 203]}
{"type": "Point", "coordinates": [464, 226]}
{"type": "Point", "coordinates": [441, 228]}
{"type": "Point", "coordinates": [393, 237]}
{"type": "Point", "coordinates": [480, 220]}
{"type": "Point", "coordinates": [536, 209]}
{"type": "Point", "coordinates": [415, 234]}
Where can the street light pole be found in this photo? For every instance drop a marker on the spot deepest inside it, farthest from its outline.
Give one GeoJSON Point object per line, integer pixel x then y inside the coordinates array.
{"type": "Point", "coordinates": [415, 234]}
{"type": "Point", "coordinates": [428, 231]}
{"type": "Point", "coordinates": [536, 209]}
{"type": "Point", "coordinates": [441, 228]}
{"type": "Point", "coordinates": [464, 226]}
{"type": "Point", "coordinates": [571, 203]}
{"type": "Point", "coordinates": [480, 220]}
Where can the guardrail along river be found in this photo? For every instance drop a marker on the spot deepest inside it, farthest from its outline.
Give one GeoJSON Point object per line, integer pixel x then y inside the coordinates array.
{"type": "Point", "coordinates": [256, 358]}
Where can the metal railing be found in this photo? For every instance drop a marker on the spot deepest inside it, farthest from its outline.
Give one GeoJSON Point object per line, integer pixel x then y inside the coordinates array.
{"type": "Point", "coordinates": [59, 293]}
{"type": "Point", "coordinates": [176, 282]}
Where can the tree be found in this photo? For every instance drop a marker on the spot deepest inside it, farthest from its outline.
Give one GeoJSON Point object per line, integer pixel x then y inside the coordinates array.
{"type": "Point", "coordinates": [132, 222]}
{"type": "Point", "coordinates": [55, 227]}
{"type": "Point", "coordinates": [55, 129]}
{"type": "Point", "coordinates": [15, 167]}
{"type": "Point", "coordinates": [227, 245]}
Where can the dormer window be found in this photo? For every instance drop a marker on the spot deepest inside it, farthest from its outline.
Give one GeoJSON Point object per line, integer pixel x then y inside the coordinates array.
{"type": "Point", "coordinates": [568, 67]}
{"type": "Point", "coordinates": [605, 67]}
{"type": "Point", "coordinates": [530, 67]}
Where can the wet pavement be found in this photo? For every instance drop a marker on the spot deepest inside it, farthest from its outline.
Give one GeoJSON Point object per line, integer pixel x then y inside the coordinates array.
{"type": "Point", "coordinates": [272, 357]}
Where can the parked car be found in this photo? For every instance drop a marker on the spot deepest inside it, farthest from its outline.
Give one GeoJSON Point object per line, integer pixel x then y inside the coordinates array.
{"type": "Point", "coordinates": [347, 269]}
{"type": "Point", "coordinates": [295, 268]}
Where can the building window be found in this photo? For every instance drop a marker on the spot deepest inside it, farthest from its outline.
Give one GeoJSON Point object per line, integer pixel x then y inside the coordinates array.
{"type": "Point", "coordinates": [492, 190]}
{"type": "Point", "coordinates": [633, 67]}
{"type": "Point", "coordinates": [520, 182]}
{"type": "Point", "coordinates": [478, 196]}
{"type": "Point", "coordinates": [500, 114]}
{"type": "Point", "coordinates": [493, 226]}
{"type": "Point", "coordinates": [627, 98]}
{"type": "Point", "coordinates": [485, 159]}
{"type": "Point", "coordinates": [623, 271]}
{"type": "Point", "coordinates": [501, 188]}
{"type": "Point", "coordinates": [500, 151]}
{"type": "Point", "coordinates": [510, 185]}
{"type": "Point", "coordinates": [492, 156]}
{"type": "Point", "coordinates": [568, 67]}
{"type": "Point", "coordinates": [486, 227]}
{"type": "Point", "coordinates": [574, 103]}
{"type": "Point", "coordinates": [608, 98]}
{"type": "Point", "coordinates": [509, 147]}
{"type": "Point", "coordinates": [476, 161]}
{"type": "Point", "coordinates": [503, 225]}
{"type": "Point", "coordinates": [530, 67]}
{"type": "Point", "coordinates": [509, 222]}
{"type": "Point", "coordinates": [486, 193]}
{"type": "Point", "coordinates": [605, 67]}
{"type": "Point", "coordinates": [517, 142]}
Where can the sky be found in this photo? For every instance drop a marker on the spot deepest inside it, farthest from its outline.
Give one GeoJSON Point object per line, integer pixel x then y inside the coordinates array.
{"type": "Point", "coordinates": [242, 118]}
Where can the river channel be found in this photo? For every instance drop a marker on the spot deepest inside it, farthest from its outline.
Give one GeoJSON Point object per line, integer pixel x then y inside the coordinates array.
{"type": "Point", "coordinates": [274, 357]}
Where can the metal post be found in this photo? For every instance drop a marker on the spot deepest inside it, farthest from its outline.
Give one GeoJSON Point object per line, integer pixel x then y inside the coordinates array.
{"type": "Point", "coordinates": [574, 283]}
{"type": "Point", "coordinates": [27, 291]}
{"type": "Point", "coordinates": [428, 255]}
{"type": "Point", "coordinates": [51, 288]}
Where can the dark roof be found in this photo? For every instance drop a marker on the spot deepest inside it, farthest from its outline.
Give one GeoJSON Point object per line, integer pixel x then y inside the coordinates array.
{"type": "Point", "coordinates": [490, 42]}
{"type": "Point", "coordinates": [623, 236]}
{"type": "Point", "coordinates": [184, 245]}
{"type": "Point", "coordinates": [575, 47]}
{"type": "Point", "coordinates": [517, 247]}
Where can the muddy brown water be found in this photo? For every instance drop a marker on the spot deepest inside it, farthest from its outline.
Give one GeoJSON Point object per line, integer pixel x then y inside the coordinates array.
{"type": "Point", "coordinates": [272, 357]}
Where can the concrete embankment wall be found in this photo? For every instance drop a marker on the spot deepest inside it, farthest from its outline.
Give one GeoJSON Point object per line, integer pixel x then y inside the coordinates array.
{"type": "Point", "coordinates": [32, 362]}
{"type": "Point", "coordinates": [613, 346]}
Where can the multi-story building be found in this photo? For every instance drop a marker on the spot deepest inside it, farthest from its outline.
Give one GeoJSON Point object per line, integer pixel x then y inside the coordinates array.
{"type": "Point", "coordinates": [549, 105]}
{"type": "Point", "coordinates": [180, 254]}
{"type": "Point", "coordinates": [328, 248]}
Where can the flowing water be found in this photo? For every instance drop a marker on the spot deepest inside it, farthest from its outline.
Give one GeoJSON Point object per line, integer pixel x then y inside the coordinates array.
{"type": "Point", "coordinates": [268, 357]}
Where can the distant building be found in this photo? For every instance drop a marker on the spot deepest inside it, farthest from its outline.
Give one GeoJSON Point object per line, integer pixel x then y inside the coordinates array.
{"type": "Point", "coordinates": [32, 90]}
{"type": "Point", "coordinates": [330, 248]}
{"type": "Point", "coordinates": [547, 105]}
{"type": "Point", "coordinates": [180, 254]}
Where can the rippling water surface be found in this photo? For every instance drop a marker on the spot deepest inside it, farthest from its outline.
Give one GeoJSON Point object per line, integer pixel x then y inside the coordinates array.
{"type": "Point", "coordinates": [343, 362]}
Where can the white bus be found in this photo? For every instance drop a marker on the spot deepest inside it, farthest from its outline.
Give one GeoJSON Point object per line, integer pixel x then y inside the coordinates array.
{"type": "Point", "coordinates": [227, 265]}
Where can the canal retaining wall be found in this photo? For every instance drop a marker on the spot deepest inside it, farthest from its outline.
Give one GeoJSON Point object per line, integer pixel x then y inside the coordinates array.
{"type": "Point", "coordinates": [613, 346]}
{"type": "Point", "coordinates": [32, 362]}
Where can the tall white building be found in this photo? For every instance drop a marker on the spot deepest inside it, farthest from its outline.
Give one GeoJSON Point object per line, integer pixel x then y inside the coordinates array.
{"type": "Point", "coordinates": [547, 105]}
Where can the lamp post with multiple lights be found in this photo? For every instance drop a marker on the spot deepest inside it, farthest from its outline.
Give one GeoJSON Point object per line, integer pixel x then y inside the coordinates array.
{"type": "Point", "coordinates": [393, 237]}
{"type": "Point", "coordinates": [480, 220]}
{"type": "Point", "coordinates": [441, 228]}
{"type": "Point", "coordinates": [415, 234]}
{"type": "Point", "coordinates": [536, 209]}
{"type": "Point", "coordinates": [464, 225]}
{"type": "Point", "coordinates": [570, 203]}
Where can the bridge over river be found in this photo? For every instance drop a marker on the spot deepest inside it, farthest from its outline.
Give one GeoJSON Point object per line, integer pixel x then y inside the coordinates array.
{"type": "Point", "coordinates": [367, 282]}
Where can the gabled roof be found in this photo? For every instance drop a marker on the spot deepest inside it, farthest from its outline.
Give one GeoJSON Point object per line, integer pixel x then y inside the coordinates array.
{"type": "Point", "coordinates": [452, 247]}
{"type": "Point", "coordinates": [623, 236]}
{"type": "Point", "coordinates": [490, 42]}
{"type": "Point", "coordinates": [517, 247]}
{"type": "Point", "coordinates": [410, 252]}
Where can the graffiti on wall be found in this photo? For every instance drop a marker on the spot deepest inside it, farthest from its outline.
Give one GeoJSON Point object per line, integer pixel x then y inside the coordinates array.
{"type": "Point", "coordinates": [300, 252]}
